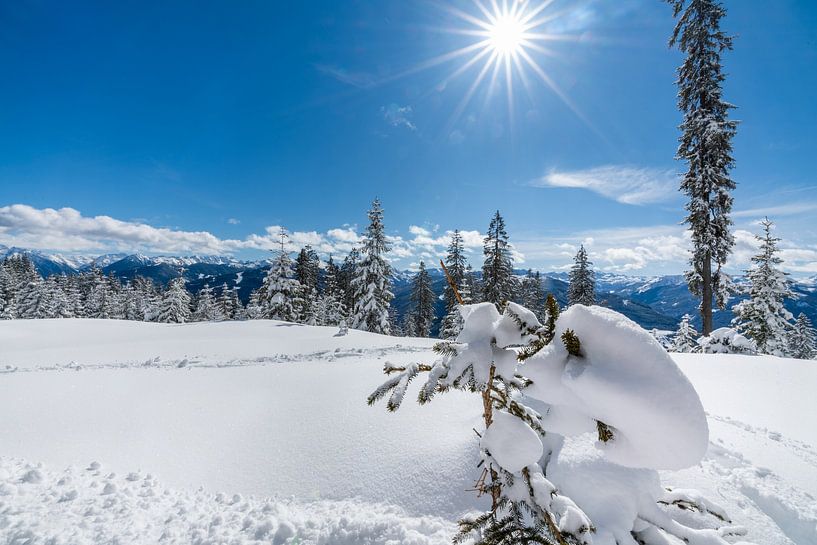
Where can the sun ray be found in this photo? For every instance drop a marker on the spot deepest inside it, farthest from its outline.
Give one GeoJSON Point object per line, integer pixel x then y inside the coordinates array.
{"type": "Point", "coordinates": [506, 34]}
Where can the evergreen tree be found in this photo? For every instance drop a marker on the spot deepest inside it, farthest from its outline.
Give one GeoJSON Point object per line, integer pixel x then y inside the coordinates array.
{"type": "Point", "coordinates": [307, 269]}
{"type": "Point", "coordinates": [582, 281]}
{"type": "Point", "coordinates": [532, 296]}
{"type": "Point", "coordinates": [705, 145]}
{"type": "Point", "coordinates": [498, 281]}
{"type": "Point", "coordinates": [686, 338]}
{"type": "Point", "coordinates": [372, 280]}
{"type": "Point", "coordinates": [148, 298]}
{"type": "Point", "coordinates": [802, 339]}
{"type": "Point", "coordinates": [32, 301]}
{"type": "Point", "coordinates": [279, 289]}
{"type": "Point", "coordinates": [422, 314]}
{"type": "Point", "coordinates": [526, 508]}
{"type": "Point", "coordinates": [207, 309]}
{"type": "Point", "coordinates": [330, 309]}
{"type": "Point", "coordinates": [175, 306]}
{"type": "Point", "coordinates": [228, 302]}
{"type": "Point", "coordinates": [455, 264]}
{"type": "Point", "coordinates": [346, 275]}
{"type": "Point", "coordinates": [763, 318]}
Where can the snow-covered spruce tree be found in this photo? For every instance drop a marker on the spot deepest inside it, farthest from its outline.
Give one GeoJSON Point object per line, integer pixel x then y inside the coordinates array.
{"type": "Point", "coordinates": [686, 338]}
{"type": "Point", "coordinates": [762, 317]}
{"type": "Point", "coordinates": [207, 310]}
{"type": "Point", "coordinates": [525, 506]}
{"type": "Point", "coordinates": [175, 305]}
{"type": "Point", "coordinates": [148, 298]}
{"type": "Point", "coordinates": [802, 339]}
{"type": "Point", "coordinates": [498, 280]}
{"type": "Point", "coordinates": [329, 308]}
{"type": "Point", "coordinates": [582, 281]}
{"type": "Point", "coordinates": [705, 145]}
{"type": "Point", "coordinates": [422, 313]}
{"type": "Point", "coordinates": [307, 269]}
{"type": "Point", "coordinates": [591, 369]}
{"type": "Point", "coordinates": [228, 302]}
{"type": "Point", "coordinates": [279, 289]}
{"type": "Point", "coordinates": [347, 273]}
{"type": "Point", "coordinates": [532, 295]}
{"type": "Point", "coordinates": [455, 264]}
{"type": "Point", "coordinates": [372, 280]}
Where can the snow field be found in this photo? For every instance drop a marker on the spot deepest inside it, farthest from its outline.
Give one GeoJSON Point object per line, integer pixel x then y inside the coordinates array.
{"type": "Point", "coordinates": [287, 421]}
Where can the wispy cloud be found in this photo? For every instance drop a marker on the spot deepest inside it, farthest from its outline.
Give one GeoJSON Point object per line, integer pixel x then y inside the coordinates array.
{"type": "Point", "coordinates": [790, 209]}
{"type": "Point", "coordinates": [397, 116]}
{"type": "Point", "coordinates": [625, 184]}
{"type": "Point", "coordinates": [361, 80]}
{"type": "Point", "coordinates": [233, 221]}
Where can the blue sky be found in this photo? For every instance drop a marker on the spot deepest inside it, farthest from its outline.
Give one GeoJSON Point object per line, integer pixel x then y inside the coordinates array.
{"type": "Point", "coordinates": [189, 127]}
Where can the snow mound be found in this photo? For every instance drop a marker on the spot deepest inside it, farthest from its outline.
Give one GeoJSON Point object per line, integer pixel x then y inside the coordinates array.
{"type": "Point", "coordinates": [627, 380]}
{"type": "Point", "coordinates": [90, 506]}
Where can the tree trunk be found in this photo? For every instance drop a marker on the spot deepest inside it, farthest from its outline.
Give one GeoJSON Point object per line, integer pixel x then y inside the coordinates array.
{"type": "Point", "coordinates": [706, 294]}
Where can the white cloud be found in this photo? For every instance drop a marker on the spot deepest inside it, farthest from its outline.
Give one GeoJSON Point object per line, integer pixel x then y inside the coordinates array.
{"type": "Point", "coordinates": [790, 209]}
{"type": "Point", "coordinates": [625, 184]}
{"type": "Point", "coordinates": [233, 221]}
{"type": "Point", "coordinates": [419, 231]}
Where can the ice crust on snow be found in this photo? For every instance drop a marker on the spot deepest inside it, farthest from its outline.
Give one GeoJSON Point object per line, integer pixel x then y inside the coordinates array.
{"type": "Point", "coordinates": [626, 380]}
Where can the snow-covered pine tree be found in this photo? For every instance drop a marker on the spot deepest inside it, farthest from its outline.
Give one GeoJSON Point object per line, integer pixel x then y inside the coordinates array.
{"type": "Point", "coordinates": [498, 280]}
{"type": "Point", "coordinates": [279, 289]}
{"type": "Point", "coordinates": [802, 339]}
{"type": "Point", "coordinates": [455, 264]}
{"type": "Point", "coordinates": [148, 298]}
{"type": "Point", "coordinates": [32, 301]}
{"type": "Point", "coordinates": [532, 296]}
{"type": "Point", "coordinates": [228, 302]}
{"type": "Point", "coordinates": [330, 309]}
{"type": "Point", "coordinates": [705, 145]}
{"type": "Point", "coordinates": [7, 294]}
{"type": "Point", "coordinates": [347, 273]}
{"type": "Point", "coordinates": [763, 318]}
{"type": "Point", "coordinates": [372, 280]}
{"type": "Point", "coordinates": [207, 309]}
{"type": "Point", "coordinates": [422, 313]}
{"type": "Point", "coordinates": [686, 338]}
{"type": "Point", "coordinates": [525, 507]}
{"type": "Point", "coordinates": [582, 281]}
{"type": "Point", "coordinates": [307, 269]}
{"type": "Point", "coordinates": [175, 305]}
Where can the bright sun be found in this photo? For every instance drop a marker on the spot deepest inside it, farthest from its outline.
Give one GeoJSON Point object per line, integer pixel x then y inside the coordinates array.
{"type": "Point", "coordinates": [507, 34]}
{"type": "Point", "coordinates": [510, 38]}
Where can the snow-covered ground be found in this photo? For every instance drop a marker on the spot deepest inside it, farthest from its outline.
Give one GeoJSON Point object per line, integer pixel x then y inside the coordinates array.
{"type": "Point", "coordinates": [259, 432]}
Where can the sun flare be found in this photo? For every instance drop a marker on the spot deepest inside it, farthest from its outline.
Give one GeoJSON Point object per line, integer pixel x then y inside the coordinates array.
{"type": "Point", "coordinates": [510, 40]}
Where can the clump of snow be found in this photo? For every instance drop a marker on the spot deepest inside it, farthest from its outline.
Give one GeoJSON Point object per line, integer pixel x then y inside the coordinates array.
{"type": "Point", "coordinates": [726, 340]}
{"type": "Point", "coordinates": [626, 380]}
{"type": "Point", "coordinates": [511, 442]}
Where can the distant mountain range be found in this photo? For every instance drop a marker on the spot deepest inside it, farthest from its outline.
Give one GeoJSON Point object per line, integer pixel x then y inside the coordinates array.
{"type": "Point", "coordinates": [652, 301]}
